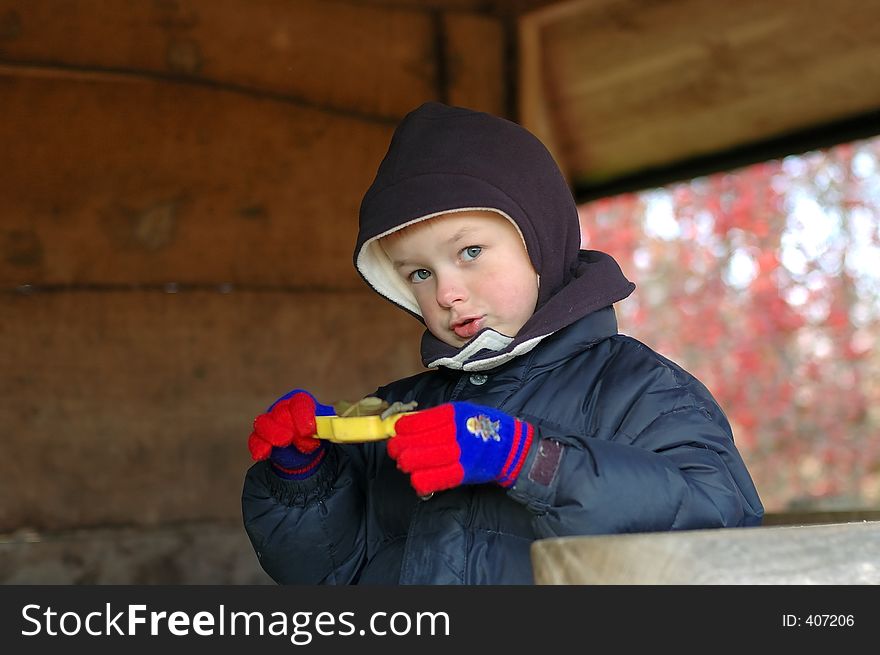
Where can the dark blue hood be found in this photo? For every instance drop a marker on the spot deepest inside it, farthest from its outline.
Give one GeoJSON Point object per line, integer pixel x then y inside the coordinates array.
{"type": "Point", "coordinates": [444, 159]}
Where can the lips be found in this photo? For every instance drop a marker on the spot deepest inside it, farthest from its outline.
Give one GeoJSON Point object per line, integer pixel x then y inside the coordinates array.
{"type": "Point", "coordinates": [467, 327]}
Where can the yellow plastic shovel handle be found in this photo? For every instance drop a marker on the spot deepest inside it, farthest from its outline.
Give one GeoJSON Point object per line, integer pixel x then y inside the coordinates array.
{"type": "Point", "coordinates": [355, 429]}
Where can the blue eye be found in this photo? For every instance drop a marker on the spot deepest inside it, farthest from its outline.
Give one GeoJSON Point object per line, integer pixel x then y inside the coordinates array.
{"type": "Point", "coordinates": [419, 275]}
{"type": "Point", "coordinates": [471, 252]}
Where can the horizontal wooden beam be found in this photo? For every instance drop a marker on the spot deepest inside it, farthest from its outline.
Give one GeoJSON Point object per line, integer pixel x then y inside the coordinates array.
{"type": "Point", "coordinates": [840, 553]}
{"type": "Point", "coordinates": [818, 137]}
{"type": "Point", "coordinates": [114, 180]}
{"type": "Point", "coordinates": [377, 60]}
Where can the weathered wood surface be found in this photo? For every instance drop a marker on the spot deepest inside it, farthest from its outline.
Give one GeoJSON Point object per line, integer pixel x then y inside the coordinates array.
{"type": "Point", "coordinates": [841, 553]}
{"type": "Point", "coordinates": [133, 408]}
{"type": "Point", "coordinates": [354, 57]}
{"type": "Point", "coordinates": [812, 517]}
{"type": "Point", "coordinates": [112, 180]}
{"type": "Point", "coordinates": [373, 60]}
{"type": "Point", "coordinates": [476, 51]}
{"type": "Point", "coordinates": [617, 86]}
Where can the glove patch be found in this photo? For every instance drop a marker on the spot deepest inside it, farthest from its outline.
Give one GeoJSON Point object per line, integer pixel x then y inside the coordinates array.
{"type": "Point", "coordinates": [483, 427]}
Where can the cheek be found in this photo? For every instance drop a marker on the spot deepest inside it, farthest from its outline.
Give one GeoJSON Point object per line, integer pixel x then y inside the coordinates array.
{"type": "Point", "coordinates": [517, 292]}
{"type": "Point", "coordinates": [421, 294]}
{"type": "Point", "coordinates": [427, 301]}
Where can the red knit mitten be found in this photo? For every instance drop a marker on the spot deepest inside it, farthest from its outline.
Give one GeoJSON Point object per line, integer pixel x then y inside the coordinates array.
{"type": "Point", "coordinates": [459, 443]}
{"type": "Point", "coordinates": [285, 435]}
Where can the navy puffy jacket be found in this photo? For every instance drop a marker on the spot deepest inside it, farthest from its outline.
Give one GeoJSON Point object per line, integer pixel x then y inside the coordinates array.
{"type": "Point", "coordinates": [626, 441]}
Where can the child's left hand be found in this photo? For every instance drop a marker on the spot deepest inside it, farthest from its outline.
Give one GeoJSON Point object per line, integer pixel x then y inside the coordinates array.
{"type": "Point", "coordinates": [459, 443]}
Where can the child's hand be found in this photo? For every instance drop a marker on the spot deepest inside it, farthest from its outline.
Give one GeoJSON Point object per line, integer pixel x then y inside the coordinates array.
{"type": "Point", "coordinates": [285, 433]}
{"type": "Point", "coordinates": [459, 443]}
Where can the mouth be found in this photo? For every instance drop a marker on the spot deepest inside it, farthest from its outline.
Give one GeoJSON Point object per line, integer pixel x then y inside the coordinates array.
{"type": "Point", "coordinates": [467, 327]}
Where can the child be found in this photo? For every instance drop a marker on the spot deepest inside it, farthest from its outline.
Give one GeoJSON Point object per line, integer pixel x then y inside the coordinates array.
{"type": "Point", "coordinates": [536, 417]}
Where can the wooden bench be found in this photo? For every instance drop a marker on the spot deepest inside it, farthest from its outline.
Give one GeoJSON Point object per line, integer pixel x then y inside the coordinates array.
{"type": "Point", "coordinates": [826, 554]}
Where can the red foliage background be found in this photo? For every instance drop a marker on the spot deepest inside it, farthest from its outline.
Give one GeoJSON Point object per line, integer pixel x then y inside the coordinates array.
{"type": "Point", "coordinates": [765, 283]}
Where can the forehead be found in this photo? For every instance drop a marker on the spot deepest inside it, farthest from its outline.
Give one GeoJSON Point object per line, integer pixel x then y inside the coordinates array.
{"type": "Point", "coordinates": [451, 227]}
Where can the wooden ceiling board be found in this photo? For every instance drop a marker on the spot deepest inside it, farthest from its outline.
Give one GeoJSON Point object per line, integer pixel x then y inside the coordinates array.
{"type": "Point", "coordinates": [619, 86]}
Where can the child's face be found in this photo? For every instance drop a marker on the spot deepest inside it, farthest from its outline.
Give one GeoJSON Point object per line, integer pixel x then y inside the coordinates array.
{"type": "Point", "coordinates": [468, 270]}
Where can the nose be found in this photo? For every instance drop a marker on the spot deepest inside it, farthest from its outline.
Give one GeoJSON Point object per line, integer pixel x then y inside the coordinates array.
{"type": "Point", "coordinates": [450, 290]}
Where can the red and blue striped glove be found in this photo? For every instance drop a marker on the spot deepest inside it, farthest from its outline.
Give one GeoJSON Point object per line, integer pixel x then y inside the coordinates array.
{"type": "Point", "coordinates": [284, 435]}
{"type": "Point", "coordinates": [459, 443]}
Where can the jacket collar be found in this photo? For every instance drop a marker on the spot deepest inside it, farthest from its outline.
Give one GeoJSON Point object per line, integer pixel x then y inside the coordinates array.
{"type": "Point", "coordinates": [597, 283]}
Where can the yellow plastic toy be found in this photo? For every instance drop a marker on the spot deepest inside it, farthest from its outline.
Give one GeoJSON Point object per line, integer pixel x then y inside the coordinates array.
{"type": "Point", "coordinates": [356, 429]}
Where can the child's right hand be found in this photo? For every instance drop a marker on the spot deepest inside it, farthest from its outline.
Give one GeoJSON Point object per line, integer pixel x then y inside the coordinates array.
{"type": "Point", "coordinates": [290, 421]}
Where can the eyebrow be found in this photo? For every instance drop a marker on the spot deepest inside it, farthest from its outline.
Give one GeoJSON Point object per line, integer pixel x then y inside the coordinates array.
{"type": "Point", "coordinates": [460, 234]}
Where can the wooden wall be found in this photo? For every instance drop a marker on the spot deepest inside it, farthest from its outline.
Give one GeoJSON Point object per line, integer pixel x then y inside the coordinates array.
{"type": "Point", "coordinates": [179, 186]}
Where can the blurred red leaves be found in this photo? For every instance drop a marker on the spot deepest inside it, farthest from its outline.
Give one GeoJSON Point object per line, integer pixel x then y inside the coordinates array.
{"type": "Point", "coordinates": [746, 279]}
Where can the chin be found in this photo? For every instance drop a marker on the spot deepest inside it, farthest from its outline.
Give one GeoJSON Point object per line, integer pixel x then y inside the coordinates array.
{"type": "Point", "coordinates": [452, 339]}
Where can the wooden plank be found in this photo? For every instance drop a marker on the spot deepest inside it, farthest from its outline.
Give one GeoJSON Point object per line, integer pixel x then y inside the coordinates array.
{"type": "Point", "coordinates": [625, 85]}
{"type": "Point", "coordinates": [808, 517]}
{"type": "Point", "coordinates": [116, 180]}
{"type": "Point", "coordinates": [475, 50]}
{"type": "Point", "coordinates": [374, 60]}
{"type": "Point", "coordinates": [842, 553]}
{"type": "Point", "coordinates": [486, 7]}
{"type": "Point", "coordinates": [133, 408]}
